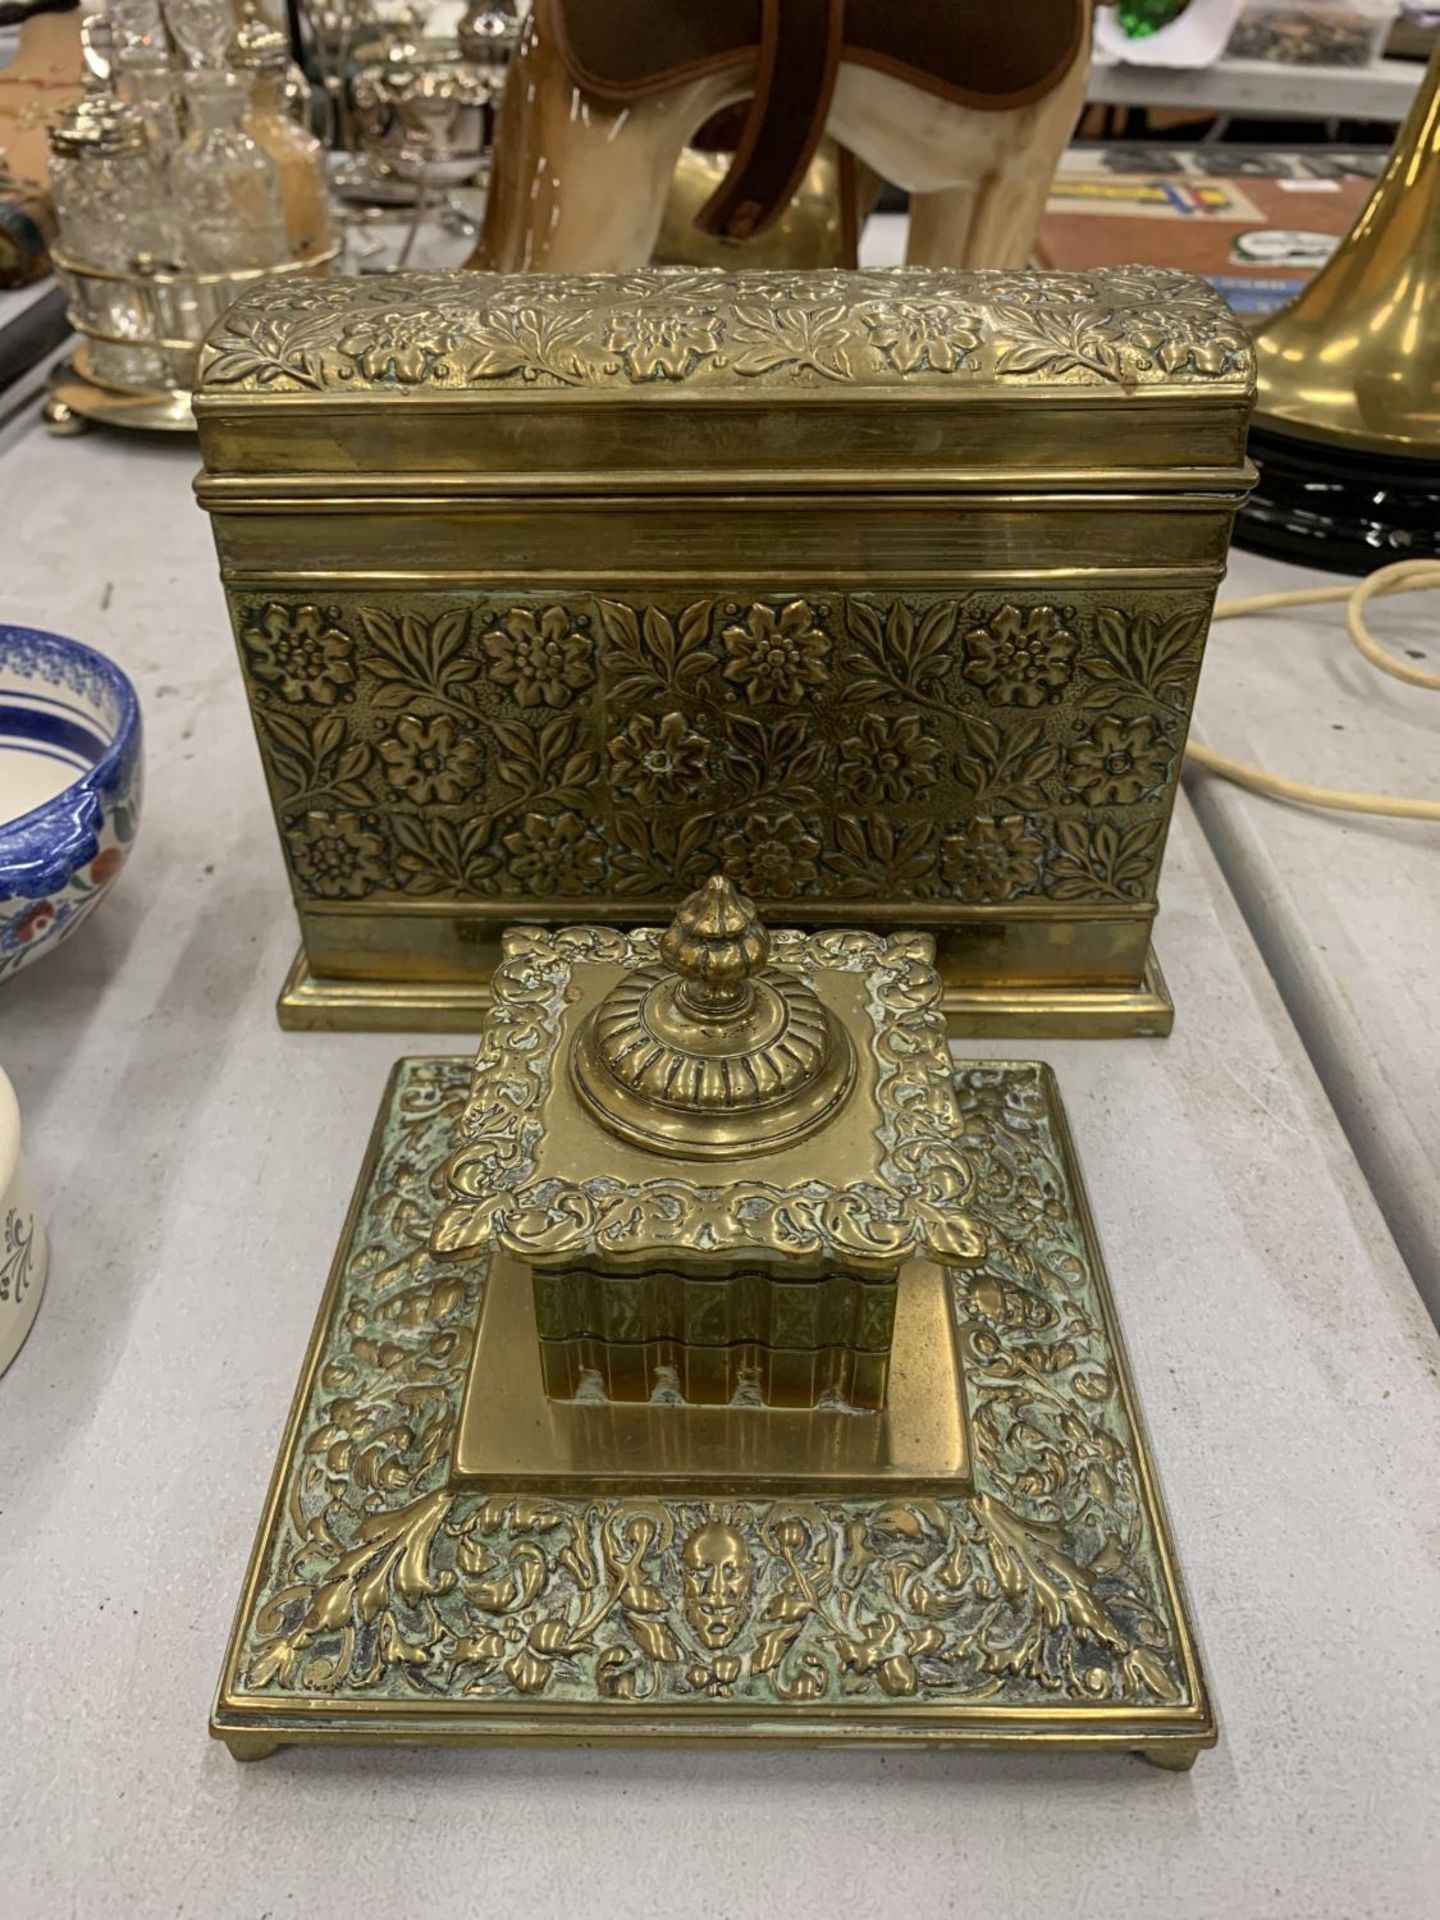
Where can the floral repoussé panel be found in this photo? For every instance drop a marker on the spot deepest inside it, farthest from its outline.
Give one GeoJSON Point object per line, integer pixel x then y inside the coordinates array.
{"type": "Point", "coordinates": [977, 750]}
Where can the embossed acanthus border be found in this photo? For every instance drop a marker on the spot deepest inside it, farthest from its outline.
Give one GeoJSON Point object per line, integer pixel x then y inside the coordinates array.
{"type": "Point", "coordinates": [915, 1201]}
{"type": "Point", "coordinates": [1118, 327]}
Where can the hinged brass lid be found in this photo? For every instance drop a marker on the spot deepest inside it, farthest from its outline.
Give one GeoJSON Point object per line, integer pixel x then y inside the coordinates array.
{"type": "Point", "coordinates": [614, 1070]}
{"type": "Point", "coordinates": [713, 1053]}
{"type": "Point", "coordinates": [563, 382]}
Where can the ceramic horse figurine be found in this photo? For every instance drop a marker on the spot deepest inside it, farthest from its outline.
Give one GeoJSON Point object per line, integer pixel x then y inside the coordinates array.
{"type": "Point", "coordinates": [46, 75]}
{"type": "Point", "coordinates": [966, 104]}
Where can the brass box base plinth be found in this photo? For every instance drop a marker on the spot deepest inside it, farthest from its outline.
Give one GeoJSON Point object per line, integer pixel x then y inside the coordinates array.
{"type": "Point", "coordinates": [511, 1435]}
{"type": "Point", "coordinates": [1040, 1607]}
{"type": "Point", "coordinates": [311, 1002]}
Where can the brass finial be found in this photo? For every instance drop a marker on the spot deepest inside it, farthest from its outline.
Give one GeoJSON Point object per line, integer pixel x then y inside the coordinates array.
{"type": "Point", "coordinates": [715, 943]}
{"type": "Point", "coordinates": [713, 1052]}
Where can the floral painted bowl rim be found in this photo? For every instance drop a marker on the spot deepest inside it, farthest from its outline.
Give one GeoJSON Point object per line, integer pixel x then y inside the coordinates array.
{"type": "Point", "coordinates": [39, 850]}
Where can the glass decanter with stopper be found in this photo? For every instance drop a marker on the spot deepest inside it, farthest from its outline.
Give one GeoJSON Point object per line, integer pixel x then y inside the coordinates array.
{"type": "Point", "coordinates": [136, 27]}
{"type": "Point", "coordinates": [226, 187]}
{"type": "Point", "coordinates": [260, 54]}
{"type": "Point", "coordinates": [111, 213]}
{"type": "Point", "coordinates": [148, 82]}
{"type": "Point", "coordinates": [201, 29]}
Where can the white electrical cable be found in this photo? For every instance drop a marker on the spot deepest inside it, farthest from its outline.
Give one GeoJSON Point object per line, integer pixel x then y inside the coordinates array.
{"type": "Point", "coordinates": [1405, 576]}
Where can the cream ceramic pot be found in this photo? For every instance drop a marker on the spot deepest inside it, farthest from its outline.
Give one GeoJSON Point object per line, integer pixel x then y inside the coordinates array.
{"type": "Point", "coordinates": [23, 1251]}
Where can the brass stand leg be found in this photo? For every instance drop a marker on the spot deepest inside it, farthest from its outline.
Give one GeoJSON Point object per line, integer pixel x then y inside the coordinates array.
{"type": "Point", "coordinates": [1179, 1759]}
{"type": "Point", "coordinates": [64, 420]}
{"type": "Point", "coordinates": [251, 1746]}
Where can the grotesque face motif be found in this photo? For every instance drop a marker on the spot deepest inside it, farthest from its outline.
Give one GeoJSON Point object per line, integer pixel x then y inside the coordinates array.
{"type": "Point", "coordinates": [718, 1572]}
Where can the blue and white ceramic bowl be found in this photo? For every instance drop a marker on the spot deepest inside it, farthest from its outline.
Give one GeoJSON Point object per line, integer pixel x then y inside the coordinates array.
{"type": "Point", "coordinates": [69, 787]}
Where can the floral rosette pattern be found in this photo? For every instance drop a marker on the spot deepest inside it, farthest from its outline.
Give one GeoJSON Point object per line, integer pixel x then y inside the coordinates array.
{"type": "Point", "coordinates": [979, 750]}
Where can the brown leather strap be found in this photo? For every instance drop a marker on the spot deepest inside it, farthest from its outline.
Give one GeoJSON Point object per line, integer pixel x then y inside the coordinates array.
{"type": "Point", "coordinates": [799, 52]}
{"type": "Point", "coordinates": [968, 51]}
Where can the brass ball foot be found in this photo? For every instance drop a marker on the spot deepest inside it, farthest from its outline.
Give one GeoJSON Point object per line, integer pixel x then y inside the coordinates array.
{"type": "Point", "coordinates": [62, 419]}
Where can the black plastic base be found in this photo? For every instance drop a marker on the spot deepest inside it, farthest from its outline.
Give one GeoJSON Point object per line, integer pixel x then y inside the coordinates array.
{"type": "Point", "coordinates": [1345, 512]}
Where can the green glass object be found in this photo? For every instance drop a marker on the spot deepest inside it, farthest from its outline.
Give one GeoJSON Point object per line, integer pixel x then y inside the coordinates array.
{"type": "Point", "coordinates": [1140, 18]}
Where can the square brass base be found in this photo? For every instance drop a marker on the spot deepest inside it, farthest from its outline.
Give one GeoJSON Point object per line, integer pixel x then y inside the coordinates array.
{"type": "Point", "coordinates": [311, 1002]}
{"type": "Point", "coordinates": [511, 1435]}
{"type": "Point", "coordinates": [1040, 1607]}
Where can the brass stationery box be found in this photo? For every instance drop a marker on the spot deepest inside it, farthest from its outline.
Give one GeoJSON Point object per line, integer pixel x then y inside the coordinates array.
{"type": "Point", "coordinates": [882, 592]}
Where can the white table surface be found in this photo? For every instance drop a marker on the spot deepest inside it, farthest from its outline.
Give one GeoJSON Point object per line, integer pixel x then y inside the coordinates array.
{"type": "Point", "coordinates": [1346, 909]}
{"type": "Point", "coordinates": [197, 1163]}
{"type": "Point", "coordinates": [1265, 88]}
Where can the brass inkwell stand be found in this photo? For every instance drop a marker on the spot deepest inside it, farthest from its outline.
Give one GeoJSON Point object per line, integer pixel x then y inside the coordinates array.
{"type": "Point", "coordinates": [714, 1357]}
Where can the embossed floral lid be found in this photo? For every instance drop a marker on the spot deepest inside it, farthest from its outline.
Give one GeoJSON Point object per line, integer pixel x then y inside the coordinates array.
{"type": "Point", "coordinates": [701, 372]}
{"type": "Point", "coordinates": [711, 1095]}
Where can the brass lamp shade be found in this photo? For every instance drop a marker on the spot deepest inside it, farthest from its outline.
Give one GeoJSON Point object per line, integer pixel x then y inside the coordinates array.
{"type": "Point", "coordinates": [1346, 432]}
{"type": "Point", "coordinates": [1354, 360]}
